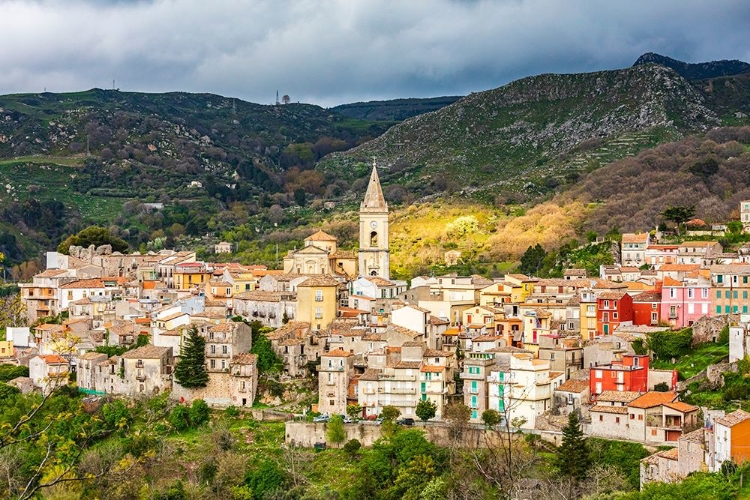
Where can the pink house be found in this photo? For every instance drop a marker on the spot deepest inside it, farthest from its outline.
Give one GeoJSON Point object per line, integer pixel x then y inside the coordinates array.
{"type": "Point", "coordinates": [684, 302]}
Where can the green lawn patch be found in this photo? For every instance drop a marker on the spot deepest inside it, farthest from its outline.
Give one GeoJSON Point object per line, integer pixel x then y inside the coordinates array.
{"type": "Point", "coordinates": [696, 360]}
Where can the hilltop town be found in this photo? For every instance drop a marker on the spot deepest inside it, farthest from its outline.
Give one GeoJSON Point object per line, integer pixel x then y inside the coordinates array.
{"type": "Point", "coordinates": [532, 350]}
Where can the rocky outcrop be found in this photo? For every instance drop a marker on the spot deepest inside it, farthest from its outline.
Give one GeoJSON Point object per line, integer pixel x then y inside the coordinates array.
{"type": "Point", "coordinates": [708, 329]}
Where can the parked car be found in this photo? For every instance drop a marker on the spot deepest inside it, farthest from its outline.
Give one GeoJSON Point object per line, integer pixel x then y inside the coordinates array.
{"type": "Point", "coordinates": [405, 421]}
{"type": "Point", "coordinates": [322, 418]}
{"type": "Point", "coordinates": [347, 419]}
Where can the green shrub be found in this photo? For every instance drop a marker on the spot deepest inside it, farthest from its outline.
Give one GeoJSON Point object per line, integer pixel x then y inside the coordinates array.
{"type": "Point", "coordinates": [179, 417]}
{"type": "Point", "coordinates": [199, 413]}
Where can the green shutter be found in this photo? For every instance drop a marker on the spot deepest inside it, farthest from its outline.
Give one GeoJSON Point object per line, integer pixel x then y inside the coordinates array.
{"type": "Point", "coordinates": [718, 294]}
{"type": "Point", "coordinates": [718, 309]}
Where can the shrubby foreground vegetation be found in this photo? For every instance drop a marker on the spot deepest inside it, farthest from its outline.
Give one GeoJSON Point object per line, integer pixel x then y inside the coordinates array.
{"type": "Point", "coordinates": [154, 448]}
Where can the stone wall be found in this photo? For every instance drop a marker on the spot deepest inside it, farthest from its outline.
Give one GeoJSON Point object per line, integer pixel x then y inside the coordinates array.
{"type": "Point", "coordinates": [219, 392]}
{"type": "Point", "coordinates": [307, 434]}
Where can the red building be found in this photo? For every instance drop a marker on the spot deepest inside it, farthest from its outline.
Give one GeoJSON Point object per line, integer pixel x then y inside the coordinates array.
{"type": "Point", "coordinates": [646, 307]}
{"type": "Point", "coordinates": [612, 309]}
{"type": "Point", "coordinates": [630, 374]}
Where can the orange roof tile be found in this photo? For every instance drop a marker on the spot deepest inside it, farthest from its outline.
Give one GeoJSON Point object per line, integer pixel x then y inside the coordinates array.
{"type": "Point", "coordinates": [681, 407]}
{"type": "Point", "coordinates": [653, 398]}
{"type": "Point", "coordinates": [432, 369]}
{"type": "Point", "coordinates": [337, 353]}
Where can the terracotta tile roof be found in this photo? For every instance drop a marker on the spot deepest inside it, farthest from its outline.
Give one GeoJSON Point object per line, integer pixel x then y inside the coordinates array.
{"type": "Point", "coordinates": [413, 365]}
{"type": "Point", "coordinates": [671, 282]}
{"type": "Point", "coordinates": [91, 355]}
{"type": "Point", "coordinates": [604, 284]}
{"type": "Point", "coordinates": [87, 283]}
{"type": "Point", "coordinates": [480, 280]}
{"type": "Point", "coordinates": [486, 338]}
{"type": "Point", "coordinates": [697, 244]}
{"type": "Point", "coordinates": [54, 359]}
{"type": "Point", "coordinates": [373, 337]}
{"type": "Point", "coordinates": [635, 237]}
{"type": "Point", "coordinates": [244, 358]}
{"type": "Point", "coordinates": [647, 297]}
{"type": "Point", "coordinates": [436, 353]}
{"type": "Point", "coordinates": [337, 353]}
{"type": "Point", "coordinates": [576, 386]}
{"type": "Point", "coordinates": [621, 410]}
{"type": "Point", "coordinates": [696, 436]}
{"type": "Point", "coordinates": [575, 272]}
{"type": "Point", "coordinates": [653, 398]}
{"type": "Point", "coordinates": [733, 418]}
{"type": "Point", "coordinates": [319, 281]}
{"type": "Point", "coordinates": [291, 342]}
{"type": "Point", "coordinates": [377, 281]}
{"type": "Point", "coordinates": [320, 236]}
{"type": "Point", "coordinates": [172, 316]}
{"type": "Point", "coordinates": [49, 327]}
{"type": "Point", "coordinates": [681, 407]}
{"type": "Point", "coordinates": [672, 454]}
{"type": "Point", "coordinates": [434, 320]}
{"type": "Point", "coordinates": [611, 295]}
{"type": "Point", "coordinates": [432, 369]}
{"type": "Point", "coordinates": [51, 273]}
{"type": "Point", "coordinates": [679, 267]}
{"type": "Point", "coordinates": [370, 374]}
{"type": "Point", "coordinates": [618, 396]}
{"type": "Point", "coordinates": [261, 296]}
{"type": "Point", "coordinates": [223, 327]}
{"type": "Point", "coordinates": [146, 352]}
{"type": "Point", "coordinates": [413, 344]}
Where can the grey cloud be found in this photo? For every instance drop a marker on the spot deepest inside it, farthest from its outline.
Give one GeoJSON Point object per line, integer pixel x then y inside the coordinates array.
{"type": "Point", "coordinates": [333, 51]}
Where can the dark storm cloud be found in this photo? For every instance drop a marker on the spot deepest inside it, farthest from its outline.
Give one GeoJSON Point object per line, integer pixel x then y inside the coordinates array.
{"type": "Point", "coordinates": [333, 51]}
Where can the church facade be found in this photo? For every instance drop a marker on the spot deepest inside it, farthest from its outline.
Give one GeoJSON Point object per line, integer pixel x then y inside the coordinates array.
{"type": "Point", "coordinates": [320, 255]}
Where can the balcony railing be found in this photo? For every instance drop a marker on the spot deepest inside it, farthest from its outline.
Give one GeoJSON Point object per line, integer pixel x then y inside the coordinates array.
{"type": "Point", "coordinates": [399, 390]}
{"type": "Point", "coordinates": [140, 377]}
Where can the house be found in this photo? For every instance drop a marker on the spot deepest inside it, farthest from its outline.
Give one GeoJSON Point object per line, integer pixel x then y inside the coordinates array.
{"type": "Point", "coordinates": [476, 371]}
{"type": "Point", "coordinates": [658, 255]}
{"type": "Point", "coordinates": [633, 249]}
{"type": "Point", "coordinates": [223, 342]}
{"type": "Point", "coordinates": [731, 439]}
{"type": "Point", "coordinates": [565, 354]}
{"type": "Point", "coordinates": [629, 374]}
{"type": "Point", "coordinates": [42, 296]}
{"type": "Point", "coordinates": [613, 309]}
{"type": "Point", "coordinates": [646, 308]}
{"type": "Point", "coordinates": [745, 214]}
{"type": "Point", "coordinates": [588, 314]}
{"type": "Point", "coordinates": [317, 301]}
{"type": "Point", "coordinates": [436, 378]}
{"type": "Point", "coordinates": [530, 389]}
{"type": "Point", "coordinates": [695, 252]}
{"type": "Point", "coordinates": [190, 275]}
{"type": "Point", "coordinates": [685, 302]}
{"type": "Point", "coordinates": [676, 463]}
{"type": "Point", "coordinates": [574, 274]}
{"type": "Point", "coordinates": [658, 418]}
{"type": "Point", "coordinates": [49, 371]}
{"type": "Point", "coordinates": [223, 247]}
{"type": "Point", "coordinates": [336, 369]}
{"type": "Point", "coordinates": [730, 289]}
{"type": "Point", "coordinates": [572, 395]}
{"type": "Point", "coordinates": [270, 308]}
{"type": "Point", "coordinates": [86, 370]}
{"type": "Point", "coordinates": [609, 416]}
{"type": "Point", "coordinates": [147, 370]}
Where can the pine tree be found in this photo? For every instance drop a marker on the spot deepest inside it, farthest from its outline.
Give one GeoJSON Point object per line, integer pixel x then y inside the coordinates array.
{"type": "Point", "coordinates": [191, 368]}
{"type": "Point", "coordinates": [573, 455]}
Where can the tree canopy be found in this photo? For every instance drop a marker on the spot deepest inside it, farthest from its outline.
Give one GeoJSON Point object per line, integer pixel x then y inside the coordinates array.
{"type": "Point", "coordinates": [190, 371]}
{"type": "Point", "coordinates": [93, 235]}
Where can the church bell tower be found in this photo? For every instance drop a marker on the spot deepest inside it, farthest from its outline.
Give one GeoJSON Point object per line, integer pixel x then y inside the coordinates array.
{"type": "Point", "coordinates": [374, 255]}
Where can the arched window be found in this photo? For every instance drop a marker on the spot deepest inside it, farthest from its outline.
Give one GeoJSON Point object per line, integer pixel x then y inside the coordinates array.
{"type": "Point", "coordinates": [374, 239]}
{"type": "Point", "coordinates": [373, 273]}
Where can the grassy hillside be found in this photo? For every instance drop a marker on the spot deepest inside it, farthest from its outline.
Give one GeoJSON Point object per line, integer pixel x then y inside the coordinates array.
{"type": "Point", "coordinates": [534, 134]}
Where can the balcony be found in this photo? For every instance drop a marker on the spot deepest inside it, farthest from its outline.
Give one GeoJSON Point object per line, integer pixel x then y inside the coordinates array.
{"type": "Point", "coordinates": [139, 364]}
{"type": "Point", "coordinates": [400, 390]}
{"type": "Point", "coordinates": [140, 377]}
{"type": "Point", "coordinates": [402, 403]}
{"type": "Point", "coordinates": [471, 376]}
{"type": "Point", "coordinates": [402, 378]}
{"type": "Point", "coordinates": [673, 315]}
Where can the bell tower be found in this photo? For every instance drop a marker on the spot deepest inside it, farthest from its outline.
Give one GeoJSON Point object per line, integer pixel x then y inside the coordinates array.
{"type": "Point", "coordinates": [374, 255]}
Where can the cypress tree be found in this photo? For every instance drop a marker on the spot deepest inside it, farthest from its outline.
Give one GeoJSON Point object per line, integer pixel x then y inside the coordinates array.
{"type": "Point", "coordinates": [573, 455]}
{"type": "Point", "coordinates": [191, 368]}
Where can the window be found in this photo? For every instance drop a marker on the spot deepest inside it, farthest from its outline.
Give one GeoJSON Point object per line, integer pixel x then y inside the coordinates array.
{"type": "Point", "coordinates": [735, 294]}
{"type": "Point", "coordinates": [726, 294]}
{"type": "Point", "coordinates": [690, 293]}
{"type": "Point", "coordinates": [640, 417]}
{"type": "Point", "coordinates": [614, 315]}
{"type": "Point", "coordinates": [213, 363]}
{"type": "Point", "coordinates": [718, 294]}
{"type": "Point", "coordinates": [224, 349]}
{"type": "Point", "coordinates": [213, 348]}
{"type": "Point", "coordinates": [704, 293]}
{"type": "Point", "coordinates": [632, 417]}
{"type": "Point", "coordinates": [720, 278]}
{"type": "Point", "coordinates": [318, 312]}
{"type": "Point", "coordinates": [744, 294]}
{"type": "Point", "coordinates": [606, 304]}
{"type": "Point", "coordinates": [653, 432]}
{"type": "Point", "coordinates": [744, 279]}
{"type": "Point", "coordinates": [718, 309]}
{"type": "Point", "coordinates": [318, 295]}
{"type": "Point", "coordinates": [617, 420]}
{"type": "Point", "coordinates": [601, 418]}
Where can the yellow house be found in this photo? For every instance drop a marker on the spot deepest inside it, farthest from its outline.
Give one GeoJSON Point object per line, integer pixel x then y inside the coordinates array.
{"type": "Point", "coordinates": [6, 349]}
{"type": "Point", "coordinates": [494, 294]}
{"type": "Point", "coordinates": [190, 274]}
{"type": "Point", "coordinates": [479, 317]}
{"type": "Point", "coordinates": [588, 315]}
{"type": "Point", "coordinates": [520, 286]}
{"type": "Point", "coordinates": [536, 322]}
{"type": "Point", "coordinates": [317, 301]}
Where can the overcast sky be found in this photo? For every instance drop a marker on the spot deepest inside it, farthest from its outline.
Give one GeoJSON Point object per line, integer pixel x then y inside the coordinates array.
{"type": "Point", "coordinates": [329, 52]}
